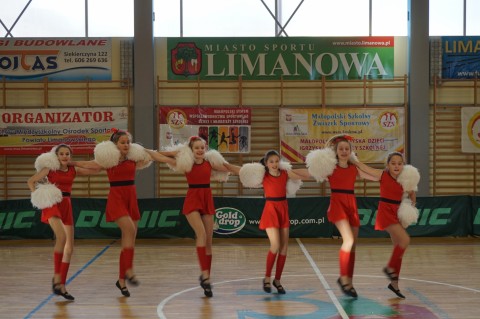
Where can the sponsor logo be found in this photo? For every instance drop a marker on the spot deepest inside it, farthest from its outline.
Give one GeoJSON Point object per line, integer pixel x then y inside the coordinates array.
{"type": "Point", "coordinates": [388, 120]}
{"type": "Point", "coordinates": [186, 59]}
{"type": "Point", "coordinates": [177, 118]}
{"type": "Point", "coordinates": [473, 129]}
{"type": "Point", "coordinates": [426, 217]}
{"type": "Point", "coordinates": [228, 221]}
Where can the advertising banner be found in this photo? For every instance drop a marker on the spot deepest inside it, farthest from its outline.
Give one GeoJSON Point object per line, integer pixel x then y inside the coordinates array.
{"type": "Point", "coordinates": [290, 58]}
{"type": "Point", "coordinates": [226, 130]}
{"type": "Point", "coordinates": [35, 131]}
{"type": "Point", "coordinates": [471, 129]}
{"type": "Point", "coordinates": [240, 218]}
{"type": "Point", "coordinates": [460, 57]}
{"type": "Point", "coordinates": [376, 132]}
{"type": "Point", "coordinates": [68, 59]}
{"type": "Point", "coordinates": [476, 215]}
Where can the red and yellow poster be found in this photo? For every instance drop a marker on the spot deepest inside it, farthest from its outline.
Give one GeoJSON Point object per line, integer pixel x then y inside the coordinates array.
{"type": "Point", "coordinates": [471, 129]}
{"type": "Point", "coordinates": [376, 132]}
{"type": "Point", "coordinates": [34, 131]}
{"type": "Point", "coordinates": [224, 129]}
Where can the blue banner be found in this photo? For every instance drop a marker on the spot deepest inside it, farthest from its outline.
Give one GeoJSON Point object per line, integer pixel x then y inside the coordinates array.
{"type": "Point", "coordinates": [460, 57]}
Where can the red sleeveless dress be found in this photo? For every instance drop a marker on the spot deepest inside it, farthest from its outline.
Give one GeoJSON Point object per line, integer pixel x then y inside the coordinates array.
{"type": "Point", "coordinates": [343, 204]}
{"type": "Point", "coordinates": [199, 195]}
{"type": "Point", "coordinates": [63, 210]}
{"type": "Point", "coordinates": [275, 211]}
{"type": "Point", "coordinates": [122, 199]}
{"type": "Point", "coordinates": [390, 192]}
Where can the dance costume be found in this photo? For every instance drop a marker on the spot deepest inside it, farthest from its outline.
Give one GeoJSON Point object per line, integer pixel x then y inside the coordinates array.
{"type": "Point", "coordinates": [122, 198]}
{"type": "Point", "coordinates": [275, 211]}
{"type": "Point", "coordinates": [199, 195]}
{"type": "Point", "coordinates": [275, 215]}
{"type": "Point", "coordinates": [391, 193]}
{"type": "Point", "coordinates": [63, 210]}
{"type": "Point", "coordinates": [343, 204]}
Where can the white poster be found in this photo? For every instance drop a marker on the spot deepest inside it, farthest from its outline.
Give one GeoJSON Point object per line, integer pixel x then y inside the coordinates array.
{"type": "Point", "coordinates": [64, 59]}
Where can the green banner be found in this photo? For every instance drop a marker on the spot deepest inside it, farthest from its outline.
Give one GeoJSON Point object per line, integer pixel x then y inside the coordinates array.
{"type": "Point", "coordinates": [240, 218]}
{"type": "Point", "coordinates": [476, 215]}
{"type": "Point", "coordinates": [292, 58]}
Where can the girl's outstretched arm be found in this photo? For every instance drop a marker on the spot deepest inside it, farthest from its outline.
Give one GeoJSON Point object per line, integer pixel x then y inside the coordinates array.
{"type": "Point", "coordinates": [299, 173]}
{"type": "Point", "coordinates": [86, 164]}
{"type": "Point", "coordinates": [161, 157]}
{"type": "Point", "coordinates": [87, 171]}
{"type": "Point", "coordinates": [234, 169]}
{"type": "Point", "coordinates": [368, 172]}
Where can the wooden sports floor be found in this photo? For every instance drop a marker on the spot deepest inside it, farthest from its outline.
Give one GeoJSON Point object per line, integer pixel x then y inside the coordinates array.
{"type": "Point", "coordinates": [440, 278]}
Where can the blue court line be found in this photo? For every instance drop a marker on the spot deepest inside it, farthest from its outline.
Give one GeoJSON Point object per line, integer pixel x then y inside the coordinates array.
{"type": "Point", "coordinates": [44, 302]}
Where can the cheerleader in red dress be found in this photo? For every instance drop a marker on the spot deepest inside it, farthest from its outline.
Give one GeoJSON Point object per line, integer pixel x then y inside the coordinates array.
{"type": "Point", "coordinates": [396, 209]}
{"type": "Point", "coordinates": [53, 197]}
{"type": "Point", "coordinates": [199, 167]}
{"type": "Point", "coordinates": [121, 158]}
{"type": "Point", "coordinates": [335, 165]}
{"type": "Point", "coordinates": [275, 177]}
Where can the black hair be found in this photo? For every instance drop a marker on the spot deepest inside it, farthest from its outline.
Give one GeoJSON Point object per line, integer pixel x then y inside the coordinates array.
{"type": "Point", "coordinates": [59, 146]}
{"type": "Point", "coordinates": [267, 155]}
{"type": "Point", "coordinates": [392, 154]}
{"type": "Point", "coordinates": [193, 139]}
{"type": "Point", "coordinates": [116, 136]}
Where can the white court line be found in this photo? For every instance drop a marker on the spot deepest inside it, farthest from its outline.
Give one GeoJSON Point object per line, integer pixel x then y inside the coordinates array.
{"type": "Point", "coordinates": [164, 302]}
{"type": "Point", "coordinates": [325, 284]}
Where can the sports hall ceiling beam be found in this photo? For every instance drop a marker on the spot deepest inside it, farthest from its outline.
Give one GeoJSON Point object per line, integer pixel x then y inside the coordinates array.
{"type": "Point", "coordinates": [9, 31]}
{"type": "Point", "coordinates": [274, 18]}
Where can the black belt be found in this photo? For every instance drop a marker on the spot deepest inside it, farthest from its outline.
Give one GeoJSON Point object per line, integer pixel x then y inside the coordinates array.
{"type": "Point", "coordinates": [345, 191]}
{"type": "Point", "coordinates": [390, 201]}
{"type": "Point", "coordinates": [198, 185]}
{"type": "Point", "coordinates": [276, 199]}
{"type": "Point", "coordinates": [65, 194]}
{"type": "Point", "coordinates": [122, 183]}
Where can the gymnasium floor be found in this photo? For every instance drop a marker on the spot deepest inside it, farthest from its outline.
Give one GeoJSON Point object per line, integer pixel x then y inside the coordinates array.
{"type": "Point", "coordinates": [440, 278]}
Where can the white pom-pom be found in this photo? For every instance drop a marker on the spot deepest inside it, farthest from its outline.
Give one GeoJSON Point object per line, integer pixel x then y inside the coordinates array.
{"type": "Point", "coordinates": [138, 154]}
{"type": "Point", "coordinates": [184, 158]}
{"type": "Point", "coordinates": [293, 185]}
{"type": "Point", "coordinates": [353, 158]}
{"type": "Point", "coordinates": [47, 160]}
{"type": "Point", "coordinates": [407, 213]}
{"type": "Point", "coordinates": [219, 176]}
{"type": "Point", "coordinates": [409, 178]}
{"type": "Point", "coordinates": [215, 158]}
{"type": "Point", "coordinates": [107, 154]}
{"type": "Point", "coordinates": [252, 174]}
{"type": "Point", "coordinates": [46, 195]}
{"type": "Point", "coordinates": [321, 163]}
{"type": "Point", "coordinates": [284, 165]}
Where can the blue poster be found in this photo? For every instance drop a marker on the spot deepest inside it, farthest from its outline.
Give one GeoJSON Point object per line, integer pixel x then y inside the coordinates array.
{"type": "Point", "coordinates": [460, 57]}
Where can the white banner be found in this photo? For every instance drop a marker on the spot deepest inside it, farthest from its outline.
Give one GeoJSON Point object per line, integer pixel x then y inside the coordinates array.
{"type": "Point", "coordinates": [471, 129]}
{"type": "Point", "coordinates": [66, 59]}
{"type": "Point", "coordinates": [225, 129]}
{"type": "Point", "coordinates": [34, 131]}
{"type": "Point", "coordinates": [376, 132]}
